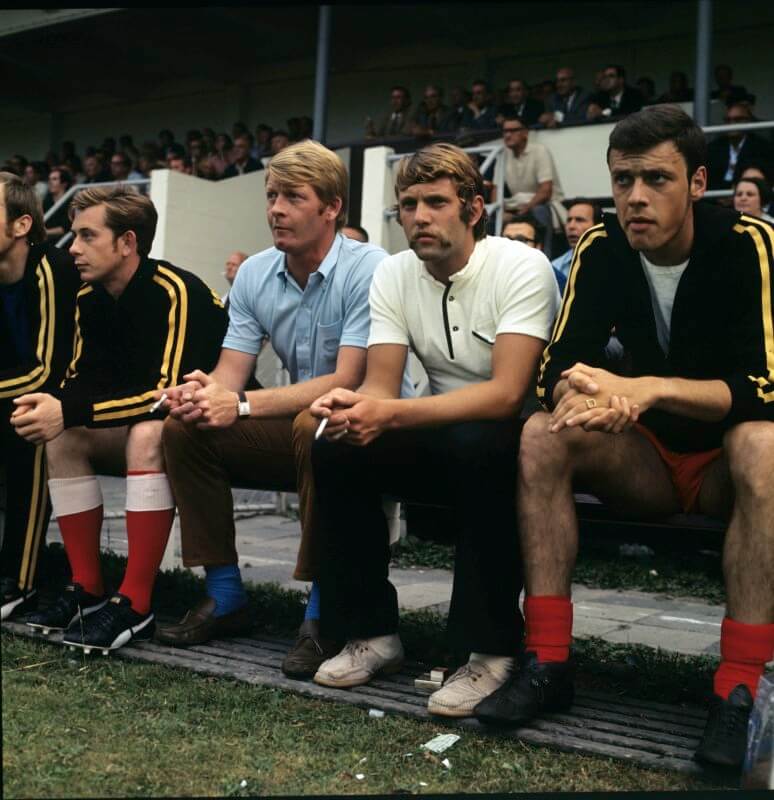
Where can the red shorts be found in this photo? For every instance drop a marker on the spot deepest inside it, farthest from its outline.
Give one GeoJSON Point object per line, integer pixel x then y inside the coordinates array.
{"type": "Point", "coordinates": [687, 470]}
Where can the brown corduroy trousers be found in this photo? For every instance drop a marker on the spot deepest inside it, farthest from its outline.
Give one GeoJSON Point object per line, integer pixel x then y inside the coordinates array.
{"type": "Point", "coordinates": [202, 465]}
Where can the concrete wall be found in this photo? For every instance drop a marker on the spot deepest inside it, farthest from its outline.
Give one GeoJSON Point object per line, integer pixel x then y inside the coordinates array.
{"type": "Point", "coordinates": [201, 222]}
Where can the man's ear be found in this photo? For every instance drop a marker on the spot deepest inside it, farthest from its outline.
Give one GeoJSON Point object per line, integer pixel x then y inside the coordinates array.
{"type": "Point", "coordinates": [332, 209]}
{"type": "Point", "coordinates": [477, 209]}
{"type": "Point", "coordinates": [127, 243]}
{"type": "Point", "coordinates": [22, 226]}
{"type": "Point", "coordinates": [698, 183]}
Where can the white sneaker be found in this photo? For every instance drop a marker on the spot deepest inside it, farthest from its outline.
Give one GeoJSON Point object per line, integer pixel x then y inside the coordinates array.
{"type": "Point", "coordinates": [360, 660]}
{"type": "Point", "coordinates": [465, 689]}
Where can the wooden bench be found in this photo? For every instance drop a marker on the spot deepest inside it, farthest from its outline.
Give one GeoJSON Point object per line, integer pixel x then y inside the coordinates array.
{"type": "Point", "coordinates": [649, 734]}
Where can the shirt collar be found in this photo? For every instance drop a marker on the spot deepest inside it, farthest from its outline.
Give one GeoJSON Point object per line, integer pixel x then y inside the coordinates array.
{"type": "Point", "coordinates": [469, 271]}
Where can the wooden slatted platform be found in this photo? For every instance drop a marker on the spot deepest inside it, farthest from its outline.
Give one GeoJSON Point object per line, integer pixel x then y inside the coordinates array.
{"type": "Point", "coordinates": [649, 734]}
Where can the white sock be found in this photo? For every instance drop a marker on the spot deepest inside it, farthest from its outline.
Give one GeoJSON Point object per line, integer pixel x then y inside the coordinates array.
{"type": "Point", "coordinates": [149, 492]}
{"type": "Point", "coordinates": [499, 666]}
{"type": "Point", "coordinates": [73, 495]}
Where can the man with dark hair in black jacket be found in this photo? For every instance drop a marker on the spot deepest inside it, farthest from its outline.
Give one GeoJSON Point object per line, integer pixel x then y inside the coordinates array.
{"type": "Point", "coordinates": [140, 325]}
{"type": "Point", "coordinates": [38, 285]}
{"type": "Point", "coordinates": [688, 288]}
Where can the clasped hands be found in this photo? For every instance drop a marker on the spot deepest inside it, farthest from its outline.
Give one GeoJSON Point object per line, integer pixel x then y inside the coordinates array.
{"type": "Point", "coordinates": [37, 417]}
{"type": "Point", "coordinates": [202, 401]}
{"type": "Point", "coordinates": [598, 400]}
{"type": "Point", "coordinates": [355, 418]}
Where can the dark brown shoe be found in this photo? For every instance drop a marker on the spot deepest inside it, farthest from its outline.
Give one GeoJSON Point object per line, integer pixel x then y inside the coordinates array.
{"type": "Point", "coordinates": [200, 624]}
{"type": "Point", "coordinates": [309, 651]}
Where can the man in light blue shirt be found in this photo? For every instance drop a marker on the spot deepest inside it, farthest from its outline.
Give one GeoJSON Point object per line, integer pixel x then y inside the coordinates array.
{"type": "Point", "coordinates": [581, 215]}
{"type": "Point", "coordinates": [308, 296]}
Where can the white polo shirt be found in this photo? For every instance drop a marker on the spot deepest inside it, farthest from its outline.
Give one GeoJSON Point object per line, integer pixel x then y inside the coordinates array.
{"type": "Point", "coordinates": [506, 287]}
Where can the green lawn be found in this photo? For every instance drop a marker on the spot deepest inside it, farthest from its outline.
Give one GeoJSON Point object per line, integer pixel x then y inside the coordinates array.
{"type": "Point", "coordinates": [75, 727]}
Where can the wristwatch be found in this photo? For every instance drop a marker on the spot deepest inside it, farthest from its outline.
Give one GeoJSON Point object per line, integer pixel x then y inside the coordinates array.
{"type": "Point", "coordinates": [243, 406]}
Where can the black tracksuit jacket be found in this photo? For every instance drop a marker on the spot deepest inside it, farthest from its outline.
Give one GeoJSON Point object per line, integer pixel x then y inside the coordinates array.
{"type": "Point", "coordinates": [721, 320]}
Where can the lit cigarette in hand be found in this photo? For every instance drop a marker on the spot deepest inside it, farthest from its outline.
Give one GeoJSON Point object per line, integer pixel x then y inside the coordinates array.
{"type": "Point", "coordinates": [157, 405]}
{"type": "Point", "coordinates": [321, 428]}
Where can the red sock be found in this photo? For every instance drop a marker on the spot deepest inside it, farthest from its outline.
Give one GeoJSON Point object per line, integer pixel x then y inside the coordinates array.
{"type": "Point", "coordinates": [80, 535]}
{"type": "Point", "coordinates": [744, 649]}
{"type": "Point", "coordinates": [149, 516]}
{"type": "Point", "coordinates": [548, 621]}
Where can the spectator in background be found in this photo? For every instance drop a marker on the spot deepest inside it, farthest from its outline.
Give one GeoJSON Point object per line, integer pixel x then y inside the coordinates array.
{"type": "Point", "coordinates": [180, 163]}
{"type": "Point", "coordinates": [34, 177]}
{"type": "Point", "coordinates": [581, 215]}
{"type": "Point", "coordinates": [239, 129]}
{"type": "Point", "coordinates": [121, 168]}
{"type": "Point", "coordinates": [397, 121]}
{"type": "Point", "coordinates": [58, 224]}
{"type": "Point", "coordinates": [432, 116]}
{"type": "Point", "coordinates": [459, 100]}
{"type": "Point", "coordinates": [108, 146]}
{"type": "Point", "coordinates": [126, 146]}
{"type": "Point", "coordinates": [233, 263]}
{"type": "Point", "coordinates": [263, 134]}
{"type": "Point", "coordinates": [94, 169]}
{"type": "Point", "coordinates": [208, 137]}
{"type": "Point", "coordinates": [279, 141]}
{"type": "Point", "coordinates": [196, 148]}
{"type": "Point", "coordinates": [751, 197]}
{"type": "Point", "coordinates": [762, 173]}
{"type": "Point", "coordinates": [725, 89]}
{"type": "Point", "coordinates": [221, 158]}
{"type": "Point", "coordinates": [166, 140]}
{"type": "Point", "coordinates": [518, 103]}
{"type": "Point", "coordinates": [542, 90]}
{"type": "Point", "coordinates": [202, 167]}
{"type": "Point", "coordinates": [306, 128]}
{"type": "Point", "coordinates": [647, 88]}
{"type": "Point", "coordinates": [678, 92]}
{"type": "Point", "coordinates": [734, 147]}
{"type": "Point", "coordinates": [242, 162]}
{"type": "Point", "coordinates": [16, 164]}
{"type": "Point", "coordinates": [527, 230]}
{"type": "Point", "coordinates": [355, 232]}
{"type": "Point", "coordinates": [617, 98]}
{"type": "Point", "coordinates": [294, 129]}
{"type": "Point", "coordinates": [73, 165]}
{"type": "Point", "coordinates": [480, 113]}
{"type": "Point", "coordinates": [149, 160]}
{"type": "Point", "coordinates": [568, 104]}
{"type": "Point", "coordinates": [531, 179]}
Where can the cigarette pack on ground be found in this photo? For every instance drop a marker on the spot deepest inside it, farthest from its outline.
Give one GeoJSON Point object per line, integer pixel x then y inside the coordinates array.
{"type": "Point", "coordinates": [441, 742]}
{"type": "Point", "coordinates": [431, 681]}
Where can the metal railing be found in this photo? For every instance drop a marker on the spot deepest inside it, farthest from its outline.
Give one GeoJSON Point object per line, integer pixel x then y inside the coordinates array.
{"type": "Point", "coordinates": [494, 155]}
{"type": "Point", "coordinates": [65, 198]}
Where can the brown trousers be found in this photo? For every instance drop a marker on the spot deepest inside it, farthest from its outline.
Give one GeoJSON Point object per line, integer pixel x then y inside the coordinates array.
{"type": "Point", "coordinates": [202, 465]}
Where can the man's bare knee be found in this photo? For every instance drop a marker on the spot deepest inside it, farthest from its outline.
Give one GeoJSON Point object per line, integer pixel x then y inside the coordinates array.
{"type": "Point", "coordinates": [750, 451]}
{"type": "Point", "coordinates": [143, 446]}
{"type": "Point", "coordinates": [542, 453]}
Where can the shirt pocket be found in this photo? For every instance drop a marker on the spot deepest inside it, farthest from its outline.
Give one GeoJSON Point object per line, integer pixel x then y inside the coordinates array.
{"type": "Point", "coordinates": [328, 339]}
{"type": "Point", "coordinates": [484, 332]}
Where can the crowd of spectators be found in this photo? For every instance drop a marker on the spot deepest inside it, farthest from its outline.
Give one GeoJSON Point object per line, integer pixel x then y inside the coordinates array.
{"type": "Point", "coordinates": [550, 103]}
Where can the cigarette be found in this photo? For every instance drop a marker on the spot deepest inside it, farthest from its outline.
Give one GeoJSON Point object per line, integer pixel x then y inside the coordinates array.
{"type": "Point", "coordinates": [157, 405]}
{"type": "Point", "coordinates": [321, 427]}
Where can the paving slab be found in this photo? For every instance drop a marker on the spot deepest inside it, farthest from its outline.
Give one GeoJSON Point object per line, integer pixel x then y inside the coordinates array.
{"type": "Point", "coordinates": [268, 542]}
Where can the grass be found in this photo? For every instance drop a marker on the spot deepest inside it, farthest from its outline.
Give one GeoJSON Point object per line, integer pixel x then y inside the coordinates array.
{"type": "Point", "coordinates": [107, 727]}
{"type": "Point", "coordinates": [599, 566]}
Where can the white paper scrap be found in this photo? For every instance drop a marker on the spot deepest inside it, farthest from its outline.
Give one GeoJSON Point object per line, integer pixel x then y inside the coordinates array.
{"type": "Point", "coordinates": [446, 763]}
{"type": "Point", "coordinates": [441, 742]}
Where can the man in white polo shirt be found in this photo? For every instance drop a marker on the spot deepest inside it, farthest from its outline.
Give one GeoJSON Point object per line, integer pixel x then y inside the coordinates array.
{"type": "Point", "coordinates": [476, 310]}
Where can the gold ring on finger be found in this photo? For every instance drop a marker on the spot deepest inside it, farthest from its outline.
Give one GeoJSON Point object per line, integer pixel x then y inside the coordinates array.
{"type": "Point", "coordinates": [591, 402]}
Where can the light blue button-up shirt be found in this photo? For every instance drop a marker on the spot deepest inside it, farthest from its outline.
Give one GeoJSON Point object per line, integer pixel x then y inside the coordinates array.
{"type": "Point", "coordinates": [306, 326]}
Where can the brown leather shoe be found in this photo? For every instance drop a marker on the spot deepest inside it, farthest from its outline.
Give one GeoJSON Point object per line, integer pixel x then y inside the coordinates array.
{"type": "Point", "coordinates": [309, 651]}
{"type": "Point", "coordinates": [200, 624]}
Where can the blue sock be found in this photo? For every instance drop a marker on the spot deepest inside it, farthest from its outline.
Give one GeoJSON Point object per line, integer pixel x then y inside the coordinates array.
{"type": "Point", "coordinates": [224, 586]}
{"type": "Point", "coordinates": [313, 604]}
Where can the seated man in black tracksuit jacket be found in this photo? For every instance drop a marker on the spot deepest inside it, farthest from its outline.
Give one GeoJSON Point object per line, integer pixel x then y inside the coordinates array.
{"type": "Point", "coordinates": [688, 288]}
{"type": "Point", "coordinates": [38, 285]}
{"type": "Point", "coordinates": [140, 324]}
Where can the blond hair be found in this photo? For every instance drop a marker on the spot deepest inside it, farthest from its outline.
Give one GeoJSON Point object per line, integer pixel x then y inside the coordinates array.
{"type": "Point", "coordinates": [312, 163]}
{"type": "Point", "coordinates": [445, 160]}
{"type": "Point", "coordinates": [125, 210]}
